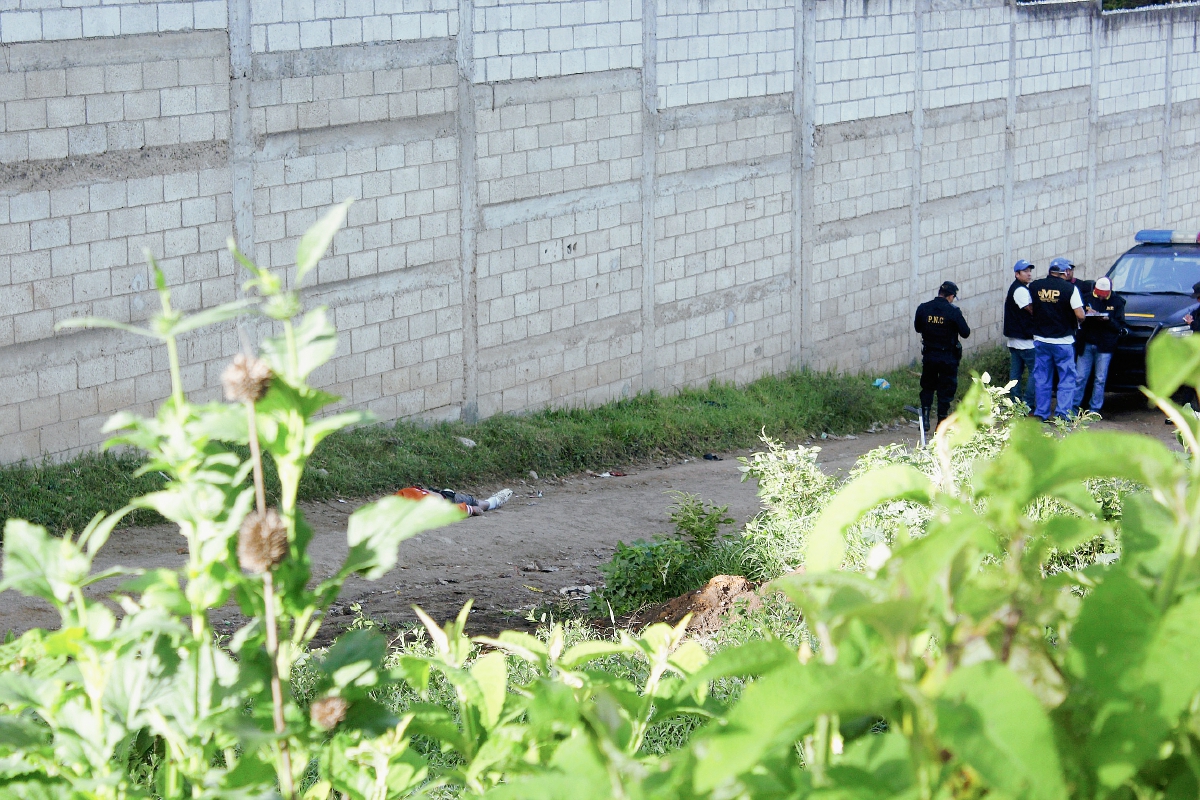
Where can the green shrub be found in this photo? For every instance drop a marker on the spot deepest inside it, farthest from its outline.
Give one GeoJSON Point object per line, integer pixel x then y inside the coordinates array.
{"type": "Point", "coordinates": [794, 492]}
{"type": "Point", "coordinates": [646, 572]}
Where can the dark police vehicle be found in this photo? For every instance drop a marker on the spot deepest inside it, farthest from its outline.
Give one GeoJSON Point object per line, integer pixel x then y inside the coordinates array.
{"type": "Point", "coordinates": [1156, 279]}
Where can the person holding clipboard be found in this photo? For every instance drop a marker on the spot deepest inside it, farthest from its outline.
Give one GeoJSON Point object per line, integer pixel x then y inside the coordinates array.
{"type": "Point", "coordinates": [1103, 324]}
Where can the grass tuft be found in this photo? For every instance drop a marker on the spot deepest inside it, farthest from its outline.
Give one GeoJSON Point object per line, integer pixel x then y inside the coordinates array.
{"type": "Point", "coordinates": [382, 458]}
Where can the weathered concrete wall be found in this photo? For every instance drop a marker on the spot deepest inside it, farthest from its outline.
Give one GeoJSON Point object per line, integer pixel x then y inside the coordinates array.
{"type": "Point", "coordinates": [563, 201]}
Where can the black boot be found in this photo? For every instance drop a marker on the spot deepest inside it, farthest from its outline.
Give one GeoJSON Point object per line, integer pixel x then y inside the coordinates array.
{"type": "Point", "coordinates": [926, 422]}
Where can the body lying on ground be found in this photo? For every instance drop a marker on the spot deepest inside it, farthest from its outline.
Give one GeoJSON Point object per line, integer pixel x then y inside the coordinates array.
{"type": "Point", "coordinates": [468, 503]}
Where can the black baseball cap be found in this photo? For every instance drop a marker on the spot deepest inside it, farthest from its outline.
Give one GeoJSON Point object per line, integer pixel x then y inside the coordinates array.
{"type": "Point", "coordinates": [1196, 289]}
{"type": "Point", "coordinates": [948, 288]}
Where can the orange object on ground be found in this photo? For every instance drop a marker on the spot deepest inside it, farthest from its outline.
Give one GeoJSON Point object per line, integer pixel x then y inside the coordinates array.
{"type": "Point", "coordinates": [416, 493]}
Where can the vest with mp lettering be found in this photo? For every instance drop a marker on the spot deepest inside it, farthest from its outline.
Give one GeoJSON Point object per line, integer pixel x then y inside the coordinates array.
{"type": "Point", "coordinates": [1053, 317]}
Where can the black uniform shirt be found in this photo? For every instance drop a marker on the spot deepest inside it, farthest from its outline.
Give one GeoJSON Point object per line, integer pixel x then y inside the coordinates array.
{"type": "Point", "coordinates": [940, 324]}
{"type": "Point", "coordinates": [1104, 321]}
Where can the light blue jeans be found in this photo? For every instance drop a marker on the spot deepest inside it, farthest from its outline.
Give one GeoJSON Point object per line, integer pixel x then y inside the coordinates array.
{"type": "Point", "coordinates": [1083, 368]}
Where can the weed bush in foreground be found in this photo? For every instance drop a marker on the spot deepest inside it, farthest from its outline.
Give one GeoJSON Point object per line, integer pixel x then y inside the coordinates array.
{"type": "Point", "coordinates": [961, 656]}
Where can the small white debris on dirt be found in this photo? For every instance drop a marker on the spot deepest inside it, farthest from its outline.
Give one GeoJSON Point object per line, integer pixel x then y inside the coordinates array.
{"type": "Point", "coordinates": [466, 442]}
{"type": "Point", "coordinates": [533, 475]}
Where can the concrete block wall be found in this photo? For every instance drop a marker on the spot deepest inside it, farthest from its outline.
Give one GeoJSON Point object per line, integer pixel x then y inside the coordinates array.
{"type": "Point", "coordinates": [723, 50]}
{"type": "Point", "coordinates": [723, 225]}
{"type": "Point", "coordinates": [561, 202]}
{"type": "Point", "coordinates": [559, 258]}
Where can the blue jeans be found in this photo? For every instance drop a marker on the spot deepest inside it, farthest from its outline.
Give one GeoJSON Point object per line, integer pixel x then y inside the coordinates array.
{"type": "Point", "coordinates": [1049, 358]}
{"type": "Point", "coordinates": [1083, 368]}
{"type": "Point", "coordinates": [1021, 362]}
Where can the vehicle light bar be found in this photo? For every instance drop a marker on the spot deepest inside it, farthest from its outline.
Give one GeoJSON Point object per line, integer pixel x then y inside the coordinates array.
{"type": "Point", "coordinates": [1167, 237]}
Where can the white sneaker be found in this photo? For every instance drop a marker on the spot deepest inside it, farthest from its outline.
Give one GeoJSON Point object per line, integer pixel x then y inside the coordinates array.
{"type": "Point", "coordinates": [499, 498]}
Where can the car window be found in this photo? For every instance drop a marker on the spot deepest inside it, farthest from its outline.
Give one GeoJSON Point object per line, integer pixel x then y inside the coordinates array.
{"type": "Point", "coordinates": [1154, 272]}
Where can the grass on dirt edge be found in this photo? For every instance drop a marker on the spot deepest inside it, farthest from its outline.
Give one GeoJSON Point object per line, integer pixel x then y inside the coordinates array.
{"type": "Point", "coordinates": [382, 458]}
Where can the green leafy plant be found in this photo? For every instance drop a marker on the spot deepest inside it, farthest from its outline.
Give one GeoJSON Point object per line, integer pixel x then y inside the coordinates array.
{"type": "Point", "coordinates": [645, 572]}
{"type": "Point", "coordinates": [84, 703]}
{"type": "Point", "coordinates": [958, 665]}
{"type": "Point", "coordinates": [1009, 613]}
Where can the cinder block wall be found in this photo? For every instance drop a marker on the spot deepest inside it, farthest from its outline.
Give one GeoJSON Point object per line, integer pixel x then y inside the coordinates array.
{"type": "Point", "coordinates": [567, 201]}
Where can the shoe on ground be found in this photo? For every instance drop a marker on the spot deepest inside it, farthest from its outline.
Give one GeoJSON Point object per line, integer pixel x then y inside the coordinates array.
{"type": "Point", "coordinates": [500, 498]}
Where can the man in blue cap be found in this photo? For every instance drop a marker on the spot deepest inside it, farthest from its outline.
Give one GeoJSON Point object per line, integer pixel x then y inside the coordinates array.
{"type": "Point", "coordinates": [940, 324]}
{"type": "Point", "coordinates": [1057, 312]}
{"type": "Point", "coordinates": [1018, 330]}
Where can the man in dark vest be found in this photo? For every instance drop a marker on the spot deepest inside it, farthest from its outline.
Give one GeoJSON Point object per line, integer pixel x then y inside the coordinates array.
{"type": "Point", "coordinates": [1103, 325]}
{"type": "Point", "coordinates": [940, 324]}
{"type": "Point", "coordinates": [1018, 330]}
{"type": "Point", "coordinates": [1057, 311]}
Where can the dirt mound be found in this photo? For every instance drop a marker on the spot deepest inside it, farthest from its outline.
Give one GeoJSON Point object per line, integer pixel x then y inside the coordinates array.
{"type": "Point", "coordinates": [709, 605]}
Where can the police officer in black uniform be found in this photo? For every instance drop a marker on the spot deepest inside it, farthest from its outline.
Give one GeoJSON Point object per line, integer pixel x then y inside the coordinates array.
{"type": "Point", "coordinates": [940, 324]}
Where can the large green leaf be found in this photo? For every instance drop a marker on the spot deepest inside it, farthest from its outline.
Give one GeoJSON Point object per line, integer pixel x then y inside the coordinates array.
{"type": "Point", "coordinates": [491, 673]}
{"type": "Point", "coordinates": [1112, 633]}
{"type": "Point", "coordinates": [41, 565]}
{"type": "Point", "coordinates": [18, 733]}
{"type": "Point", "coordinates": [827, 543]}
{"type": "Point", "coordinates": [1149, 534]}
{"type": "Point", "coordinates": [874, 766]}
{"type": "Point", "coordinates": [101, 322]}
{"type": "Point", "coordinates": [316, 342]}
{"type": "Point", "coordinates": [990, 720]}
{"type": "Point", "coordinates": [1172, 362]}
{"type": "Point", "coordinates": [776, 710]}
{"type": "Point", "coordinates": [211, 316]}
{"type": "Point", "coordinates": [355, 660]}
{"type": "Point", "coordinates": [375, 531]}
{"type": "Point", "coordinates": [316, 240]}
{"type": "Point", "coordinates": [1172, 664]}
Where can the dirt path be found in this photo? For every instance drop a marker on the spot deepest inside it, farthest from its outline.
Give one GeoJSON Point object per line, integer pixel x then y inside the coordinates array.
{"type": "Point", "coordinates": [520, 556]}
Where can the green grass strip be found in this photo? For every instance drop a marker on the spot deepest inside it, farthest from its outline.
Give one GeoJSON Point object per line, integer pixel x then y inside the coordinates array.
{"type": "Point", "coordinates": [382, 458]}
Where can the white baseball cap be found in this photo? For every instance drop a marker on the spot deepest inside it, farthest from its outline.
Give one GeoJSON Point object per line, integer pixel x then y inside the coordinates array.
{"type": "Point", "coordinates": [1103, 285]}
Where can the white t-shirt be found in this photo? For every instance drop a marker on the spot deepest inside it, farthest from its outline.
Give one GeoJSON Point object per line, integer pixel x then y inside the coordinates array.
{"type": "Point", "coordinates": [1023, 299]}
{"type": "Point", "coordinates": [1076, 302]}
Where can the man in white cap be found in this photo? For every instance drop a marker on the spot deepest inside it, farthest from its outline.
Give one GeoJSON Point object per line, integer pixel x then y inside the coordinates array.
{"type": "Point", "coordinates": [1103, 325]}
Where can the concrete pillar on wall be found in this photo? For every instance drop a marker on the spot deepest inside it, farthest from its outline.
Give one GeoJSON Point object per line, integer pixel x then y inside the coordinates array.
{"type": "Point", "coordinates": [803, 163]}
{"type": "Point", "coordinates": [916, 292]}
{"type": "Point", "coordinates": [468, 204]}
{"type": "Point", "coordinates": [649, 152]}
{"type": "Point", "coordinates": [1167, 221]}
{"type": "Point", "coordinates": [1094, 28]}
{"type": "Point", "coordinates": [241, 133]}
{"type": "Point", "coordinates": [1010, 134]}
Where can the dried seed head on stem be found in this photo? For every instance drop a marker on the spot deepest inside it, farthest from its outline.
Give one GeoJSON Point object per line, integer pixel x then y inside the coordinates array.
{"type": "Point", "coordinates": [327, 712]}
{"type": "Point", "coordinates": [262, 541]}
{"type": "Point", "coordinates": [246, 380]}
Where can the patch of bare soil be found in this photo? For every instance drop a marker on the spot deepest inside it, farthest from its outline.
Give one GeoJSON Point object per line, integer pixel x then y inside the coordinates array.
{"type": "Point", "coordinates": [553, 535]}
{"type": "Point", "coordinates": [710, 606]}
